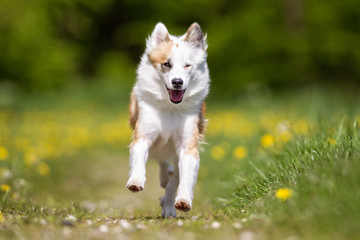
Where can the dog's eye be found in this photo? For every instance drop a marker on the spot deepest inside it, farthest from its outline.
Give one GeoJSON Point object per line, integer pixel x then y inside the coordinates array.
{"type": "Point", "coordinates": [187, 65]}
{"type": "Point", "coordinates": [166, 64]}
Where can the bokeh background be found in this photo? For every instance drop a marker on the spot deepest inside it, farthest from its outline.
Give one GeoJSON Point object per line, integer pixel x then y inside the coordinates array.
{"type": "Point", "coordinates": [277, 44]}
{"type": "Point", "coordinates": [283, 112]}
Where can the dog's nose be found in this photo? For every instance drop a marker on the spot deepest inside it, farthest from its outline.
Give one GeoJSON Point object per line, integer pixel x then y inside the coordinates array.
{"type": "Point", "coordinates": [177, 82]}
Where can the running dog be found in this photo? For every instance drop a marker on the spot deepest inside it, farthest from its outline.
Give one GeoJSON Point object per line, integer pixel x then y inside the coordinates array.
{"type": "Point", "coordinates": [167, 114]}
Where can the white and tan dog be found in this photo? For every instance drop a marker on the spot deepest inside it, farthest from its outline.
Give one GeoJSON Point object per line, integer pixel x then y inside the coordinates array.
{"type": "Point", "coordinates": [167, 114]}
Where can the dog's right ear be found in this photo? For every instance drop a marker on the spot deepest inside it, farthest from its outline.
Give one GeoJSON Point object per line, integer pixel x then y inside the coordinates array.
{"type": "Point", "coordinates": [160, 34]}
{"type": "Point", "coordinates": [196, 37]}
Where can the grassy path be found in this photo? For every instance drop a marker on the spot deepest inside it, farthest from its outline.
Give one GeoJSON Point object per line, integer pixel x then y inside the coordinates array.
{"type": "Point", "coordinates": [89, 200]}
{"type": "Point", "coordinates": [63, 170]}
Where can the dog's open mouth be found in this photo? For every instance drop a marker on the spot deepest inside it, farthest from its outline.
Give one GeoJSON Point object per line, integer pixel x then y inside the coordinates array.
{"type": "Point", "coordinates": [176, 96]}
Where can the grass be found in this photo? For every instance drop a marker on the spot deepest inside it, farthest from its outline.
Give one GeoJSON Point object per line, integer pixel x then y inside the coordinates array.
{"type": "Point", "coordinates": [64, 164]}
{"type": "Point", "coordinates": [323, 176]}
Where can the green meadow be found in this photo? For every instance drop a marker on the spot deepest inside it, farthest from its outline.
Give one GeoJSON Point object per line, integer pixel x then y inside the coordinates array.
{"type": "Point", "coordinates": [274, 166]}
{"type": "Point", "coordinates": [281, 157]}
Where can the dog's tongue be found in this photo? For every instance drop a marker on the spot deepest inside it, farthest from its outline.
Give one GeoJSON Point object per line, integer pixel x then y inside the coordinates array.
{"type": "Point", "coordinates": [176, 95]}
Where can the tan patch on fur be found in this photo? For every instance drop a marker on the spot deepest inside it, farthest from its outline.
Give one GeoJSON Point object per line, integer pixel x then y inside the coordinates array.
{"type": "Point", "coordinates": [161, 53]}
{"type": "Point", "coordinates": [136, 134]}
{"type": "Point", "coordinates": [133, 110]}
{"type": "Point", "coordinates": [192, 144]}
{"type": "Point", "coordinates": [133, 117]}
{"type": "Point", "coordinates": [202, 120]}
{"type": "Point", "coordinates": [193, 151]}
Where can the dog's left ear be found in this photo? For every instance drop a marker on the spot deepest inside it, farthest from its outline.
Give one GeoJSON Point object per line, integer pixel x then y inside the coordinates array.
{"type": "Point", "coordinates": [195, 36]}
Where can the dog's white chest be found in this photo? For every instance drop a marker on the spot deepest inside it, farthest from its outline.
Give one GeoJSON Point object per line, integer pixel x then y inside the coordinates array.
{"type": "Point", "coordinates": [170, 126]}
{"type": "Point", "coordinates": [168, 135]}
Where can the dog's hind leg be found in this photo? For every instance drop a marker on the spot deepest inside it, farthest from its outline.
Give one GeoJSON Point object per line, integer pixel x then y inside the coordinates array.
{"type": "Point", "coordinates": [168, 200]}
{"type": "Point", "coordinates": [166, 171]}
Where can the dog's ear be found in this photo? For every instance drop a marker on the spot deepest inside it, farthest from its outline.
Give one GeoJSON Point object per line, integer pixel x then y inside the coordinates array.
{"type": "Point", "coordinates": [195, 36]}
{"type": "Point", "coordinates": [160, 34]}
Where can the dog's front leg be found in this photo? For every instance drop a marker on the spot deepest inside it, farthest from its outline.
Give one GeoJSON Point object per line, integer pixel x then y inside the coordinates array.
{"type": "Point", "coordinates": [188, 170]}
{"type": "Point", "coordinates": [138, 157]}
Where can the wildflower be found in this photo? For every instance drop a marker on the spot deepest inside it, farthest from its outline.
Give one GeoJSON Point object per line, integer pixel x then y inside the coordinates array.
{"type": "Point", "coordinates": [1, 217]}
{"type": "Point", "coordinates": [301, 127]}
{"type": "Point", "coordinates": [267, 141]}
{"type": "Point", "coordinates": [5, 173]}
{"type": "Point", "coordinates": [3, 153]}
{"type": "Point", "coordinates": [239, 152]}
{"type": "Point", "coordinates": [283, 193]}
{"type": "Point", "coordinates": [217, 152]}
{"type": "Point", "coordinates": [43, 169]}
{"type": "Point", "coordinates": [285, 136]}
{"type": "Point", "coordinates": [5, 188]}
{"type": "Point", "coordinates": [331, 141]}
{"type": "Point", "coordinates": [19, 183]}
{"type": "Point", "coordinates": [30, 158]}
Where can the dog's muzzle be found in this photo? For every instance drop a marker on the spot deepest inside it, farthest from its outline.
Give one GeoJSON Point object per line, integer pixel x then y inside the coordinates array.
{"type": "Point", "coordinates": [176, 96]}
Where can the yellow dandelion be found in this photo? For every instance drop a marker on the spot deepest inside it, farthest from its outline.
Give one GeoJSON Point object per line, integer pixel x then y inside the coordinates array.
{"type": "Point", "coordinates": [283, 193]}
{"type": "Point", "coordinates": [331, 141]}
{"type": "Point", "coordinates": [3, 153]}
{"type": "Point", "coordinates": [5, 188]}
{"type": "Point", "coordinates": [43, 169]}
{"type": "Point", "coordinates": [301, 127]}
{"type": "Point", "coordinates": [240, 152]}
{"type": "Point", "coordinates": [217, 152]}
{"type": "Point", "coordinates": [285, 136]}
{"type": "Point", "coordinates": [1, 217]}
{"type": "Point", "coordinates": [30, 158]}
{"type": "Point", "coordinates": [267, 141]}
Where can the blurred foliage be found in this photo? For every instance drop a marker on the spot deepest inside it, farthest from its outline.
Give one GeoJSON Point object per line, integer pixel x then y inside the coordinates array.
{"type": "Point", "coordinates": [45, 44]}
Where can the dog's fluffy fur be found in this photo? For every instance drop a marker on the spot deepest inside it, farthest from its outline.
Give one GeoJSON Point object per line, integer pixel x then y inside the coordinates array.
{"type": "Point", "coordinates": [167, 114]}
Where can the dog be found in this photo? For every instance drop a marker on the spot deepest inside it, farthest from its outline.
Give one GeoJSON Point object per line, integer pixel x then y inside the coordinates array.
{"type": "Point", "coordinates": [167, 111]}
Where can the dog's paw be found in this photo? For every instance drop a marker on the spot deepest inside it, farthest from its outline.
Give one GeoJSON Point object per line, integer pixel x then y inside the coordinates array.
{"type": "Point", "coordinates": [182, 205]}
{"type": "Point", "coordinates": [168, 212]}
{"type": "Point", "coordinates": [168, 209]}
{"type": "Point", "coordinates": [135, 186]}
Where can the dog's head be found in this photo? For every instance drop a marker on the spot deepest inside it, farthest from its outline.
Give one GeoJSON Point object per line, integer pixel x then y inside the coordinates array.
{"type": "Point", "coordinates": [177, 59]}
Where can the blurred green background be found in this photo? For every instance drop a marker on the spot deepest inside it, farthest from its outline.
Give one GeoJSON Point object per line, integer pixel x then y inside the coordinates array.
{"type": "Point", "coordinates": [46, 45]}
{"type": "Point", "coordinates": [284, 91]}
